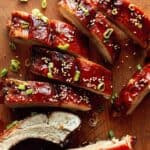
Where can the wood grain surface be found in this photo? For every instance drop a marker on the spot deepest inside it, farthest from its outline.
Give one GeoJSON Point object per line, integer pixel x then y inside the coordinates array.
{"type": "Point", "coordinates": [137, 124]}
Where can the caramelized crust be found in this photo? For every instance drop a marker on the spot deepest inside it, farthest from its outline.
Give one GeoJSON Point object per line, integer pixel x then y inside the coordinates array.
{"type": "Point", "coordinates": [44, 95]}
{"type": "Point", "coordinates": [94, 24]}
{"type": "Point", "coordinates": [76, 71]}
{"type": "Point", "coordinates": [134, 92]}
{"type": "Point", "coordinates": [52, 33]}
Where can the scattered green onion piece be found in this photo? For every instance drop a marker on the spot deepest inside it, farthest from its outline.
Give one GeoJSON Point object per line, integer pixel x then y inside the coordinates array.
{"type": "Point", "coordinates": [139, 67]}
{"type": "Point", "coordinates": [108, 33]}
{"type": "Point", "coordinates": [63, 46]}
{"type": "Point", "coordinates": [50, 65]}
{"type": "Point", "coordinates": [35, 12]}
{"type": "Point", "coordinates": [77, 75]}
{"type": "Point", "coordinates": [49, 75]}
{"type": "Point", "coordinates": [111, 134]}
{"type": "Point", "coordinates": [9, 126]}
{"type": "Point", "coordinates": [29, 91]}
{"type": "Point", "coordinates": [4, 72]}
{"type": "Point", "coordinates": [44, 18]}
{"type": "Point", "coordinates": [25, 25]}
{"type": "Point", "coordinates": [85, 10]}
{"type": "Point", "coordinates": [131, 7]}
{"type": "Point", "coordinates": [14, 65]}
{"type": "Point", "coordinates": [44, 4]}
{"type": "Point", "coordinates": [23, 0]}
{"type": "Point", "coordinates": [114, 11]}
{"type": "Point", "coordinates": [114, 97]}
{"type": "Point", "coordinates": [101, 86]}
{"type": "Point", "coordinates": [12, 45]}
{"type": "Point", "coordinates": [21, 87]}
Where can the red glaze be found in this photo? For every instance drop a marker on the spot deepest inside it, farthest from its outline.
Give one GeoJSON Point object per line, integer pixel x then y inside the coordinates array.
{"type": "Point", "coordinates": [45, 94]}
{"type": "Point", "coordinates": [94, 23]}
{"type": "Point", "coordinates": [52, 33]}
{"type": "Point", "coordinates": [139, 82]}
{"type": "Point", "coordinates": [65, 66]}
{"type": "Point", "coordinates": [132, 20]}
{"type": "Point", "coordinates": [98, 26]}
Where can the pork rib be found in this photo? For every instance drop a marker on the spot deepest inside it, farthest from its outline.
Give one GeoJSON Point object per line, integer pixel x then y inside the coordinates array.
{"type": "Point", "coordinates": [133, 93]}
{"type": "Point", "coordinates": [53, 128]}
{"type": "Point", "coordinates": [76, 71]}
{"type": "Point", "coordinates": [52, 33]}
{"type": "Point", "coordinates": [94, 24]}
{"type": "Point", "coordinates": [126, 143]}
{"type": "Point", "coordinates": [32, 93]}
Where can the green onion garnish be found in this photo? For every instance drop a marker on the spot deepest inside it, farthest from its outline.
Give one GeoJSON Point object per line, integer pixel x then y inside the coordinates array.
{"type": "Point", "coordinates": [77, 75]}
{"type": "Point", "coordinates": [63, 46]}
{"type": "Point", "coordinates": [101, 86]}
{"type": "Point", "coordinates": [108, 33]}
{"type": "Point", "coordinates": [21, 87]}
{"type": "Point", "coordinates": [111, 134]}
{"type": "Point", "coordinates": [139, 67]}
{"type": "Point", "coordinates": [44, 4]}
{"type": "Point", "coordinates": [14, 65]}
{"type": "Point", "coordinates": [49, 75]}
{"type": "Point", "coordinates": [3, 72]}
{"type": "Point", "coordinates": [29, 91]}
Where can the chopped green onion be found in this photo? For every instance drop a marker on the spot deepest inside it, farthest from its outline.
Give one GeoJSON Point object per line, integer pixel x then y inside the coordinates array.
{"type": "Point", "coordinates": [77, 75]}
{"type": "Point", "coordinates": [85, 10]}
{"type": "Point", "coordinates": [44, 4]}
{"type": "Point", "coordinates": [29, 91]}
{"type": "Point", "coordinates": [4, 72]}
{"type": "Point", "coordinates": [49, 75]}
{"type": "Point", "coordinates": [50, 65]}
{"type": "Point", "coordinates": [114, 11]}
{"type": "Point", "coordinates": [9, 126]}
{"type": "Point", "coordinates": [36, 13]}
{"type": "Point", "coordinates": [113, 97]}
{"type": "Point", "coordinates": [63, 46]}
{"type": "Point", "coordinates": [111, 134]}
{"type": "Point", "coordinates": [139, 67]}
{"type": "Point", "coordinates": [101, 86]}
{"type": "Point", "coordinates": [131, 7]}
{"type": "Point", "coordinates": [108, 33]}
{"type": "Point", "coordinates": [21, 87]}
{"type": "Point", "coordinates": [12, 45]}
{"type": "Point", "coordinates": [14, 65]}
{"type": "Point", "coordinates": [23, 0]}
{"type": "Point", "coordinates": [25, 25]}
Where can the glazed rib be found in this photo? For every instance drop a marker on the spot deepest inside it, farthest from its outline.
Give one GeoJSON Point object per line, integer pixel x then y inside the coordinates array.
{"type": "Point", "coordinates": [53, 128]}
{"type": "Point", "coordinates": [94, 24]}
{"type": "Point", "coordinates": [76, 71]}
{"type": "Point", "coordinates": [124, 14]}
{"type": "Point", "coordinates": [134, 92]}
{"type": "Point", "coordinates": [126, 143]}
{"type": "Point", "coordinates": [129, 18]}
{"type": "Point", "coordinates": [51, 33]}
{"type": "Point", "coordinates": [43, 94]}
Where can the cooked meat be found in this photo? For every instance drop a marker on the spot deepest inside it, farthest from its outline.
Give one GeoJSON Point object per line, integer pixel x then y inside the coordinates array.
{"type": "Point", "coordinates": [134, 92]}
{"type": "Point", "coordinates": [36, 28]}
{"type": "Point", "coordinates": [76, 71]}
{"type": "Point", "coordinates": [129, 18]}
{"type": "Point", "coordinates": [32, 93]}
{"type": "Point", "coordinates": [126, 143]}
{"type": "Point", "coordinates": [54, 128]}
{"type": "Point", "coordinates": [94, 24]}
{"type": "Point", "coordinates": [124, 14]}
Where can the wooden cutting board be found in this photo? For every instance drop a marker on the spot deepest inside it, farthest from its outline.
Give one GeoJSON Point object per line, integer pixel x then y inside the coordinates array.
{"type": "Point", "coordinates": [137, 124]}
